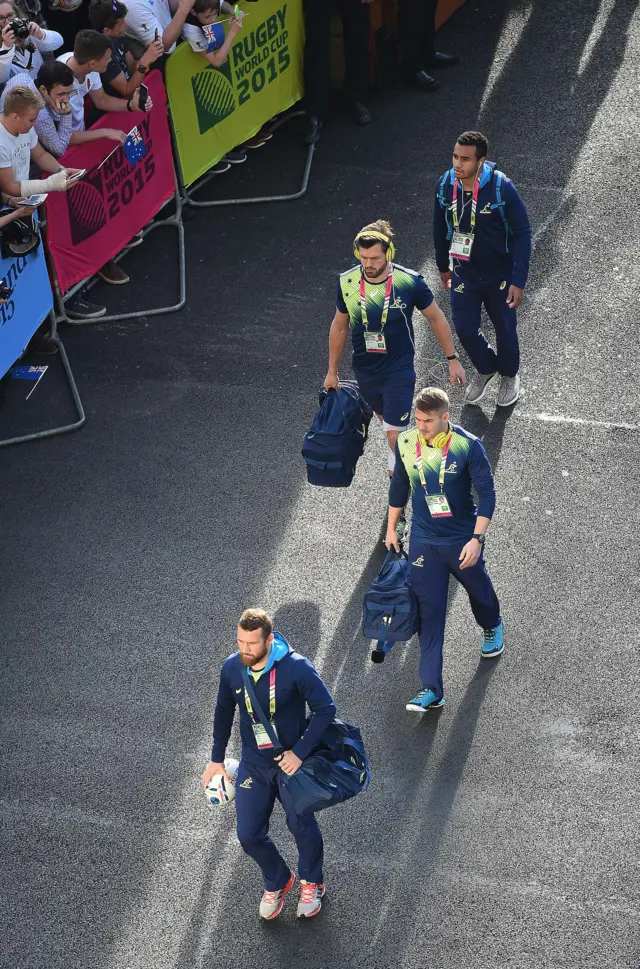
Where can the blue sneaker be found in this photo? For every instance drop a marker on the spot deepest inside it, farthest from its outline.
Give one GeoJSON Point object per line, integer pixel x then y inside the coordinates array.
{"type": "Point", "coordinates": [493, 642]}
{"type": "Point", "coordinates": [425, 700]}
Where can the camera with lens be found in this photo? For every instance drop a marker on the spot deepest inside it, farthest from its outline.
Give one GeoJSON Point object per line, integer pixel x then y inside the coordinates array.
{"type": "Point", "coordinates": [19, 27]}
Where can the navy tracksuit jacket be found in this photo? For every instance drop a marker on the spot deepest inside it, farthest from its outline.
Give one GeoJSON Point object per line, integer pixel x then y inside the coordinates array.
{"type": "Point", "coordinates": [499, 258]}
{"type": "Point", "coordinates": [298, 685]}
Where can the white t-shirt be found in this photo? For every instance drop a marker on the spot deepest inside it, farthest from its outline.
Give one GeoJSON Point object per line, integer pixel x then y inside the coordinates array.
{"type": "Point", "coordinates": [144, 17]}
{"type": "Point", "coordinates": [15, 152]}
{"type": "Point", "coordinates": [91, 83]}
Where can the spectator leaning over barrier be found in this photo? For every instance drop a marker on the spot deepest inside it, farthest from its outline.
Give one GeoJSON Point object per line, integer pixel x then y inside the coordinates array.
{"type": "Point", "coordinates": [20, 53]}
{"type": "Point", "coordinates": [206, 37]}
{"type": "Point", "coordinates": [123, 75]}
{"type": "Point", "coordinates": [54, 82]}
{"type": "Point", "coordinates": [150, 20]}
{"type": "Point", "coordinates": [90, 56]}
{"type": "Point", "coordinates": [88, 60]}
{"type": "Point", "coordinates": [19, 148]}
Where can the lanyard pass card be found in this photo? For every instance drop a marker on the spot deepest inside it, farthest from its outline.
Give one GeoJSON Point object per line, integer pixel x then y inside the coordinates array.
{"type": "Point", "coordinates": [375, 342]}
{"type": "Point", "coordinates": [462, 242]}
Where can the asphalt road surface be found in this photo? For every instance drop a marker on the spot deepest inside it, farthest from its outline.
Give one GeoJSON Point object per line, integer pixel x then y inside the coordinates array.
{"type": "Point", "coordinates": [501, 832]}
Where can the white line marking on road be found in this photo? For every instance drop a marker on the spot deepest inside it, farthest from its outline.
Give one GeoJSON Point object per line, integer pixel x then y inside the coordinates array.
{"type": "Point", "coordinates": [546, 224]}
{"type": "Point", "coordinates": [599, 24]}
{"type": "Point", "coordinates": [583, 421]}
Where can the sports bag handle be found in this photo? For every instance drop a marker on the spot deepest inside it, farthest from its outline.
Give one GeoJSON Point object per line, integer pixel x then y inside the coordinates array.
{"type": "Point", "coordinates": [343, 385]}
{"type": "Point", "coordinates": [393, 556]}
{"type": "Point", "coordinates": [259, 713]}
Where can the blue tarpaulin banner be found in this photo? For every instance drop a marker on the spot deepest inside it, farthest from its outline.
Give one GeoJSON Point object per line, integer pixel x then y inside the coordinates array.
{"type": "Point", "coordinates": [26, 307]}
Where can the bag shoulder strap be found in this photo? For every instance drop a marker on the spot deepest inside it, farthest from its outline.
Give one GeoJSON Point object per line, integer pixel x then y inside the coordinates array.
{"type": "Point", "coordinates": [500, 205]}
{"type": "Point", "coordinates": [258, 709]}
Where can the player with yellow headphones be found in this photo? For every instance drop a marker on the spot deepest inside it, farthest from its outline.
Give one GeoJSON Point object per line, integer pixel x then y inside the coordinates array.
{"type": "Point", "coordinates": [375, 301]}
{"type": "Point", "coordinates": [439, 463]}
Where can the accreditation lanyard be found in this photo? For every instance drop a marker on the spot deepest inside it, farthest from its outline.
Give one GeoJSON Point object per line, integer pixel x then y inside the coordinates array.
{"type": "Point", "coordinates": [443, 463]}
{"type": "Point", "coordinates": [387, 300]}
{"type": "Point", "coordinates": [474, 204]}
{"type": "Point", "coordinates": [272, 696]}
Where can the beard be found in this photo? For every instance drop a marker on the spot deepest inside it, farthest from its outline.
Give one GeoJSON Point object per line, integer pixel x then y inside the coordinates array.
{"type": "Point", "coordinates": [251, 659]}
{"type": "Point", "coordinates": [374, 273]}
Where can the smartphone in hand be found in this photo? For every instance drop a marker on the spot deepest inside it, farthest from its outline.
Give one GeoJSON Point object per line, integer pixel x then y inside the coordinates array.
{"type": "Point", "coordinates": [77, 175]}
{"type": "Point", "coordinates": [34, 200]}
{"type": "Point", "coordinates": [144, 94]}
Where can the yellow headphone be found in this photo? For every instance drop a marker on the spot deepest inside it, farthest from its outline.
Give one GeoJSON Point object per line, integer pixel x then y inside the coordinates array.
{"type": "Point", "coordinates": [391, 250]}
{"type": "Point", "coordinates": [440, 440]}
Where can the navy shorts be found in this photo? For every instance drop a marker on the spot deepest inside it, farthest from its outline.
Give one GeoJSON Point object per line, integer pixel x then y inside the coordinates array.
{"type": "Point", "coordinates": [390, 397]}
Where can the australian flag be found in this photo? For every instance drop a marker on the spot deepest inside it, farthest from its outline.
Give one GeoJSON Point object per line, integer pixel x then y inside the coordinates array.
{"type": "Point", "coordinates": [134, 147]}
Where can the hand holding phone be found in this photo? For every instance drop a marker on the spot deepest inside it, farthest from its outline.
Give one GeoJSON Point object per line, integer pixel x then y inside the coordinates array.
{"type": "Point", "coordinates": [34, 200]}
{"type": "Point", "coordinates": [76, 175]}
{"type": "Point", "coordinates": [144, 94]}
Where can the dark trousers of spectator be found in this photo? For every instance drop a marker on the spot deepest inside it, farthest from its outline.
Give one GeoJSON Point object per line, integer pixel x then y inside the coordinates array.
{"type": "Point", "coordinates": [317, 52]}
{"type": "Point", "coordinates": [417, 33]}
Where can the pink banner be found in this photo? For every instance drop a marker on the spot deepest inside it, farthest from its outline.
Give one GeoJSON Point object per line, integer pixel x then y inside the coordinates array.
{"type": "Point", "coordinates": [96, 218]}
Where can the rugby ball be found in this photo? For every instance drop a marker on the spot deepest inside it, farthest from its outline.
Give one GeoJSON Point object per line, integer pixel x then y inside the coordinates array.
{"type": "Point", "coordinates": [219, 790]}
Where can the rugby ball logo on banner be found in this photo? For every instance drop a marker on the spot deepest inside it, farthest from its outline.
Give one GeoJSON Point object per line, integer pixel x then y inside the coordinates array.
{"type": "Point", "coordinates": [215, 109]}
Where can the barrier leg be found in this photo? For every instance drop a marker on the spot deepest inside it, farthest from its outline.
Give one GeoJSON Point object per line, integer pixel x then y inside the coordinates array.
{"type": "Point", "coordinates": [65, 428]}
{"type": "Point", "coordinates": [173, 220]}
{"type": "Point", "coordinates": [188, 193]}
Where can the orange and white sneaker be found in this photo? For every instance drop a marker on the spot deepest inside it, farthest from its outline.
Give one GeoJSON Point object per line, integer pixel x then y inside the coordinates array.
{"type": "Point", "coordinates": [311, 896]}
{"type": "Point", "coordinates": [272, 902]}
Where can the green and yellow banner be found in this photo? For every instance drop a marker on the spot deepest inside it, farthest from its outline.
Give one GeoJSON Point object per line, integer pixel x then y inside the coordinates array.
{"type": "Point", "coordinates": [215, 109]}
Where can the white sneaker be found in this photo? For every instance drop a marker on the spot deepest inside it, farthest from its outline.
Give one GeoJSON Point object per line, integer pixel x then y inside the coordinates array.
{"type": "Point", "coordinates": [509, 391]}
{"type": "Point", "coordinates": [272, 902]}
{"type": "Point", "coordinates": [478, 387]}
{"type": "Point", "coordinates": [311, 896]}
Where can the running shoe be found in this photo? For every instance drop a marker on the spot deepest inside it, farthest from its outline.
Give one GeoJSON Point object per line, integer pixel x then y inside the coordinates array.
{"type": "Point", "coordinates": [425, 700]}
{"type": "Point", "coordinates": [509, 391]}
{"type": "Point", "coordinates": [493, 642]}
{"type": "Point", "coordinates": [478, 387]}
{"type": "Point", "coordinates": [272, 902]}
{"type": "Point", "coordinates": [311, 896]}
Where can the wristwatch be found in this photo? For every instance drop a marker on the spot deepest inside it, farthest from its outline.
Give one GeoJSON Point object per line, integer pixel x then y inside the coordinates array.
{"type": "Point", "coordinates": [453, 357]}
{"type": "Point", "coordinates": [479, 538]}
{"type": "Point", "coordinates": [142, 69]}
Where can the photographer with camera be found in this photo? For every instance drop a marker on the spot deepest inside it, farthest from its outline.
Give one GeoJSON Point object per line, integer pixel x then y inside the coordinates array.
{"type": "Point", "coordinates": [23, 42]}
